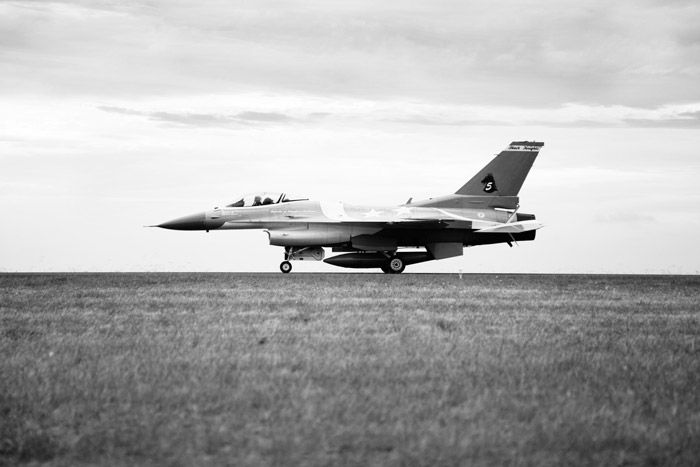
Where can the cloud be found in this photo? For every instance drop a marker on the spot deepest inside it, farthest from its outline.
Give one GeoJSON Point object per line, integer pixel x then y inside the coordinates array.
{"type": "Point", "coordinates": [203, 119]}
{"type": "Point", "coordinates": [511, 53]}
{"type": "Point", "coordinates": [570, 114]}
{"type": "Point", "coordinates": [284, 109]}
{"type": "Point", "coordinates": [668, 123]}
{"type": "Point", "coordinates": [263, 117]}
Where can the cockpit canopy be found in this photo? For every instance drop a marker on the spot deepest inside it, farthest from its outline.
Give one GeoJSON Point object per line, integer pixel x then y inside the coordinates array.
{"type": "Point", "coordinates": [260, 199]}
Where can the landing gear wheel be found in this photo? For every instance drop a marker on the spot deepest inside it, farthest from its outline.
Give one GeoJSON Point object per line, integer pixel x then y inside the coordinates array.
{"type": "Point", "coordinates": [386, 270]}
{"type": "Point", "coordinates": [286, 267]}
{"type": "Point", "coordinates": [396, 265]}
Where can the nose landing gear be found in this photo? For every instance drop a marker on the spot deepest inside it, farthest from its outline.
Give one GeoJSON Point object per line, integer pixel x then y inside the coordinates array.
{"type": "Point", "coordinates": [307, 253]}
{"type": "Point", "coordinates": [286, 267]}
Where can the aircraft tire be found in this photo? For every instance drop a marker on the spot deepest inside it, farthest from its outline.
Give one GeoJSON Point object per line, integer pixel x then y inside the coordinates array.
{"type": "Point", "coordinates": [286, 267]}
{"type": "Point", "coordinates": [396, 265]}
{"type": "Point", "coordinates": [386, 270]}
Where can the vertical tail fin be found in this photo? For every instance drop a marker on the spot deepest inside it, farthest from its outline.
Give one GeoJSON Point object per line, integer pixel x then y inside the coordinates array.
{"type": "Point", "coordinates": [505, 174]}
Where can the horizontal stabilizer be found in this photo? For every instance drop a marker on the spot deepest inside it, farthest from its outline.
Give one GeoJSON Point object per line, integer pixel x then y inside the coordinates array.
{"type": "Point", "coordinates": [513, 227]}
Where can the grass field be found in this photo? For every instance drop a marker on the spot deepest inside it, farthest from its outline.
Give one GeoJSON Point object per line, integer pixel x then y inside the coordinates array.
{"type": "Point", "coordinates": [313, 369]}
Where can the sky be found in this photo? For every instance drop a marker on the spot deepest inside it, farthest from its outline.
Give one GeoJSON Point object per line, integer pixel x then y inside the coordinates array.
{"type": "Point", "coordinates": [119, 114]}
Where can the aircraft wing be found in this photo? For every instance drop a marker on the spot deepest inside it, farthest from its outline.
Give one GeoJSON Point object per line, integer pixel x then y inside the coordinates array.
{"type": "Point", "coordinates": [402, 217]}
{"type": "Point", "coordinates": [476, 225]}
{"type": "Point", "coordinates": [394, 217]}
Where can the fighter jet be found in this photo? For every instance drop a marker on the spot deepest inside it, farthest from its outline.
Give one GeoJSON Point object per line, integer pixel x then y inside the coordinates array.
{"type": "Point", "coordinates": [483, 211]}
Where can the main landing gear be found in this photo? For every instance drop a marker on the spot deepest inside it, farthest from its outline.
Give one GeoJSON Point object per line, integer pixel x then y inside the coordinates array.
{"type": "Point", "coordinates": [395, 265]}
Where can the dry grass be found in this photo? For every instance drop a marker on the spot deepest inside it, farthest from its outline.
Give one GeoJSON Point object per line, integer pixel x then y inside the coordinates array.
{"type": "Point", "coordinates": [312, 369]}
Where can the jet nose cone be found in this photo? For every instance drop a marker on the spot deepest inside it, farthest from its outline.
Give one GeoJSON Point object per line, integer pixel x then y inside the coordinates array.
{"type": "Point", "coordinates": [192, 222]}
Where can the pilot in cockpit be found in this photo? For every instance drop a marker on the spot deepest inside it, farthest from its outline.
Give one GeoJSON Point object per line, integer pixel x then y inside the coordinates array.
{"type": "Point", "coordinates": [256, 201]}
{"type": "Point", "coordinates": [267, 200]}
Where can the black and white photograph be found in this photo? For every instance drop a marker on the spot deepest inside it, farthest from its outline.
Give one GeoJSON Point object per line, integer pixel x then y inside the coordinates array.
{"type": "Point", "coordinates": [318, 233]}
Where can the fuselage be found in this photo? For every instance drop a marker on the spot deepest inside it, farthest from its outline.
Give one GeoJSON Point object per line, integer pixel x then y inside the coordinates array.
{"type": "Point", "coordinates": [333, 224]}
